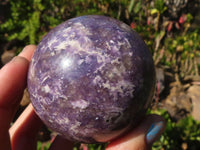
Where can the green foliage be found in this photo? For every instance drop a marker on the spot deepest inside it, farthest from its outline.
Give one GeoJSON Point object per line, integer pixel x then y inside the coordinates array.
{"type": "Point", "coordinates": [185, 131]}
{"type": "Point", "coordinates": [159, 6]}
{"type": "Point", "coordinates": [183, 51]}
{"type": "Point", "coordinates": [26, 25]}
{"type": "Point", "coordinates": [135, 7]}
{"type": "Point", "coordinates": [30, 20]}
{"type": "Point", "coordinates": [91, 147]}
{"type": "Point", "coordinates": [43, 146]}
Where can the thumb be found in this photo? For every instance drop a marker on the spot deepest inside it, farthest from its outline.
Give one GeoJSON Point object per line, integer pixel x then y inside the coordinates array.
{"type": "Point", "coordinates": [142, 137]}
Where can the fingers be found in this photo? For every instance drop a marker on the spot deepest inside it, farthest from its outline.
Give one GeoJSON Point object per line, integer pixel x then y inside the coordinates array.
{"type": "Point", "coordinates": [61, 144]}
{"type": "Point", "coordinates": [24, 131]}
{"type": "Point", "coordinates": [141, 137]}
{"type": "Point", "coordinates": [13, 78]}
{"type": "Point", "coordinates": [12, 84]}
{"type": "Point", "coordinates": [28, 51]}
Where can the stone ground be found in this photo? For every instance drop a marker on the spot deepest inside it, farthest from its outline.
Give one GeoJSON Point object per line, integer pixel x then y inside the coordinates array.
{"type": "Point", "coordinates": [179, 98]}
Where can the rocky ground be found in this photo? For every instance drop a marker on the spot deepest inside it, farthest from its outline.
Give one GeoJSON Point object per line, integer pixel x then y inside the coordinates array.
{"type": "Point", "coordinates": [180, 98]}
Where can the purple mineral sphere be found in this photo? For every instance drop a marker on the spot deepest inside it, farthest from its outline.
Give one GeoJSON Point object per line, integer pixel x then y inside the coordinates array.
{"type": "Point", "coordinates": [91, 79]}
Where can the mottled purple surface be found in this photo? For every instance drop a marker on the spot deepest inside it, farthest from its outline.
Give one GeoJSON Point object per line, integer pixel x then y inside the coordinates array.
{"type": "Point", "coordinates": [91, 79]}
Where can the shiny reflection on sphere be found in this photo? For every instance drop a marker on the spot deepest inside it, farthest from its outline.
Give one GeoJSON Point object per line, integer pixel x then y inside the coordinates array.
{"type": "Point", "coordinates": [66, 63]}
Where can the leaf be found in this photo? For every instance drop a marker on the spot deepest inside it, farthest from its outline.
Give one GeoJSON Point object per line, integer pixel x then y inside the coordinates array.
{"type": "Point", "coordinates": [159, 5]}
{"type": "Point", "coordinates": [130, 8]}
{"type": "Point", "coordinates": [154, 11]}
{"type": "Point", "coordinates": [137, 7]}
{"type": "Point", "coordinates": [39, 145]}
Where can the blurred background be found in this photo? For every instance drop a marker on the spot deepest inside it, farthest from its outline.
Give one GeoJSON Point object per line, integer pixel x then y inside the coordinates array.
{"type": "Point", "coordinates": [170, 29]}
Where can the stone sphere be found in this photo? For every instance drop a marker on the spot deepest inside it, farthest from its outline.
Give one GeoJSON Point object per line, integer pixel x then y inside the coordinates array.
{"type": "Point", "coordinates": [91, 79]}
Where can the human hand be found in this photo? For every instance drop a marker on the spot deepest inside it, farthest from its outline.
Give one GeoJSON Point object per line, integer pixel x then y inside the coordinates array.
{"type": "Point", "coordinates": [22, 134]}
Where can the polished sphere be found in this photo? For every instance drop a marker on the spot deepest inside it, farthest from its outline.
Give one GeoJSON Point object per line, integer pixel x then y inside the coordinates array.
{"type": "Point", "coordinates": [91, 79]}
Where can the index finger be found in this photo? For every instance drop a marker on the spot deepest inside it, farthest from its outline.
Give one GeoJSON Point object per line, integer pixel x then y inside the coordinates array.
{"type": "Point", "coordinates": [13, 78]}
{"type": "Point", "coordinates": [12, 84]}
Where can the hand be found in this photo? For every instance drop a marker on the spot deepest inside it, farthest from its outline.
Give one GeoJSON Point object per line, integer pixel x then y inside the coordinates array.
{"type": "Point", "coordinates": [22, 134]}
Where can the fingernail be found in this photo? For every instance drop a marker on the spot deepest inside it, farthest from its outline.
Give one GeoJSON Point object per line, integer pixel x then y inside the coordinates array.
{"type": "Point", "coordinates": [23, 51]}
{"type": "Point", "coordinates": [11, 61]}
{"type": "Point", "coordinates": [154, 131]}
{"type": "Point", "coordinates": [16, 59]}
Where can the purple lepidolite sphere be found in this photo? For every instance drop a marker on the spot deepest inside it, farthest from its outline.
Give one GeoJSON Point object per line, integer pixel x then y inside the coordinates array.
{"type": "Point", "coordinates": [91, 79]}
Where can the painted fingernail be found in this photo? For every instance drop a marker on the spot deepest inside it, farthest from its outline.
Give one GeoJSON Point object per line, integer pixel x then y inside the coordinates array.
{"type": "Point", "coordinates": [154, 131]}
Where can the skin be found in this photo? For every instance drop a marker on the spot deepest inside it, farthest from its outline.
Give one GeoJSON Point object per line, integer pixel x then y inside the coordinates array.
{"type": "Point", "coordinates": [22, 134]}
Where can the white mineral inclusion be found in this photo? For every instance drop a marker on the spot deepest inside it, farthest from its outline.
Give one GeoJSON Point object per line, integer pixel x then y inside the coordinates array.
{"type": "Point", "coordinates": [46, 89]}
{"type": "Point", "coordinates": [82, 104]}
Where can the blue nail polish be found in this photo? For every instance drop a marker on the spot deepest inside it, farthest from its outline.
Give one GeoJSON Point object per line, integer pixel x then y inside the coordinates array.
{"type": "Point", "coordinates": [153, 131]}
